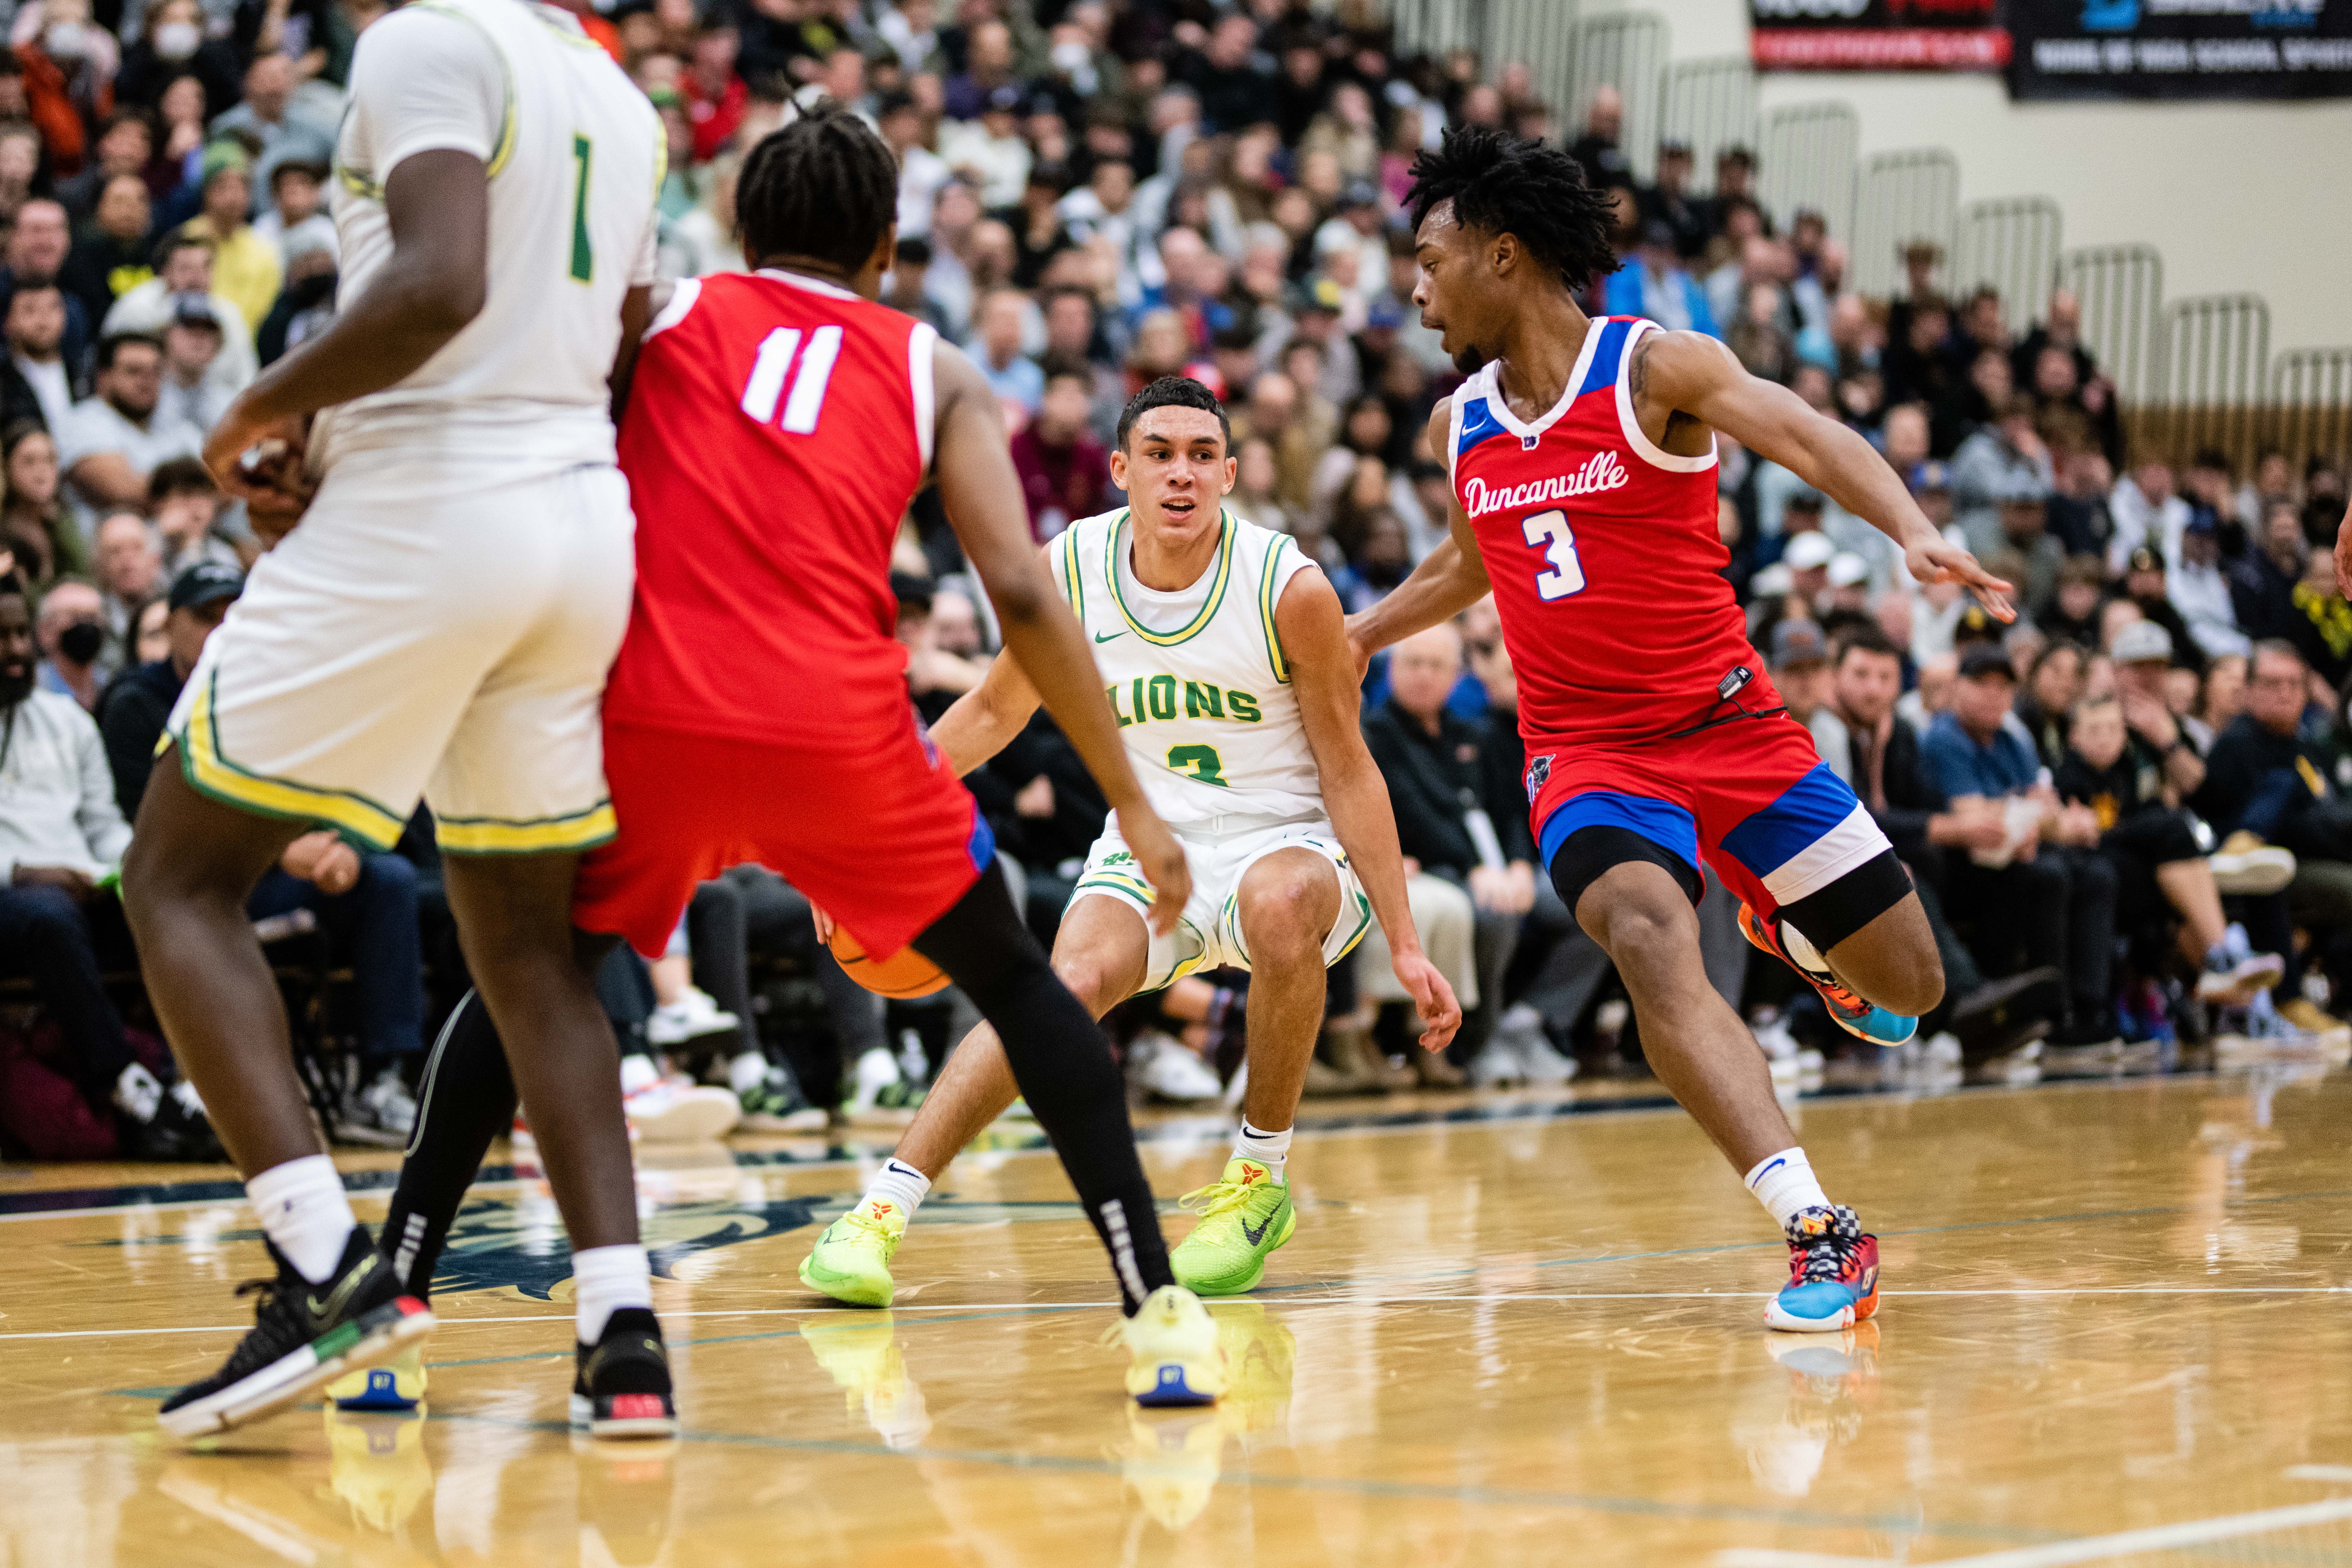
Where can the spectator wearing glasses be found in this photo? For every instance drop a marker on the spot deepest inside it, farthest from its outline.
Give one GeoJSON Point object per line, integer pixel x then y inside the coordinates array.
{"type": "Point", "coordinates": [113, 441]}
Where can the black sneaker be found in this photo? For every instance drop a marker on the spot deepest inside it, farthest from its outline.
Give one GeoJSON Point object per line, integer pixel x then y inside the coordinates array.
{"type": "Point", "coordinates": [620, 1385]}
{"type": "Point", "coordinates": [304, 1337]}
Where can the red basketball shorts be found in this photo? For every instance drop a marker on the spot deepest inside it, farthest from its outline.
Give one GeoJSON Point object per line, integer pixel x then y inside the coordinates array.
{"type": "Point", "coordinates": [1752, 797]}
{"type": "Point", "coordinates": [883, 837]}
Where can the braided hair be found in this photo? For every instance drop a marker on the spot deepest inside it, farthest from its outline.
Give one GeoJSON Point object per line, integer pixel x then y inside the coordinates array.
{"type": "Point", "coordinates": [1501, 184]}
{"type": "Point", "coordinates": [824, 186]}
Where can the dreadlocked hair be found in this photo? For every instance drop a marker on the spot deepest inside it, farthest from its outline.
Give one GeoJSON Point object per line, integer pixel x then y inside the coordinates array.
{"type": "Point", "coordinates": [824, 186]}
{"type": "Point", "coordinates": [1501, 184]}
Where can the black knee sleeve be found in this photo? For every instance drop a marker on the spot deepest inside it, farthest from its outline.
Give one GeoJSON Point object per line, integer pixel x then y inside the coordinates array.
{"type": "Point", "coordinates": [1835, 913]}
{"type": "Point", "coordinates": [1064, 1067]}
{"type": "Point", "coordinates": [1590, 851]}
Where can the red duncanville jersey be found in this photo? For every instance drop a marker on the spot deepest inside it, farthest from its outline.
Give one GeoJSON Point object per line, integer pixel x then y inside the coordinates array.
{"type": "Point", "coordinates": [1603, 553]}
{"type": "Point", "coordinates": [776, 428]}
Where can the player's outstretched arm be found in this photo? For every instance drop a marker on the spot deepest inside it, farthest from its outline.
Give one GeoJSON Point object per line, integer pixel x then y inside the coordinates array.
{"type": "Point", "coordinates": [434, 283]}
{"type": "Point", "coordinates": [1323, 675]}
{"type": "Point", "coordinates": [983, 496]}
{"type": "Point", "coordinates": [1449, 580]}
{"type": "Point", "coordinates": [1692, 375]}
{"type": "Point", "coordinates": [984, 720]}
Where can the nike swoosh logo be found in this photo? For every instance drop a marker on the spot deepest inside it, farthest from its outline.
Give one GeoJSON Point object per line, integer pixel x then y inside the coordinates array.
{"type": "Point", "coordinates": [1258, 1235]}
{"type": "Point", "coordinates": [333, 1307]}
{"type": "Point", "coordinates": [1100, 638]}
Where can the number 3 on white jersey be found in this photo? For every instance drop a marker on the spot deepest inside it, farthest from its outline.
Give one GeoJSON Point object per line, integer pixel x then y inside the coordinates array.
{"type": "Point", "coordinates": [765, 389]}
{"type": "Point", "coordinates": [1548, 531]}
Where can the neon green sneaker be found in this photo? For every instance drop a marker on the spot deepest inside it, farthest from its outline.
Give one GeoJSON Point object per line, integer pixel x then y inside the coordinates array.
{"type": "Point", "coordinates": [1245, 1214]}
{"type": "Point", "coordinates": [851, 1261]}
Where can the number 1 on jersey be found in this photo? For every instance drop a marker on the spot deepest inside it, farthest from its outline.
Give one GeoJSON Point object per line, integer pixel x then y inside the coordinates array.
{"type": "Point", "coordinates": [1548, 531]}
{"type": "Point", "coordinates": [583, 256]}
{"type": "Point", "coordinates": [765, 388]}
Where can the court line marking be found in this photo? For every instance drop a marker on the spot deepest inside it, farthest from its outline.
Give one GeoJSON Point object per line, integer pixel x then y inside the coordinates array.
{"type": "Point", "coordinates": [1172, 1134]}
{"type": "Point", "coordinates": [2317, 1472]}
{"type": "Point", "coordinates": [2088, 1549]}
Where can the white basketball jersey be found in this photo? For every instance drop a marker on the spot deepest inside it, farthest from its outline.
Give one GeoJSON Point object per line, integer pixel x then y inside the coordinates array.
{"type": "Point", "coordinates": [1203, 694]}
{"type": "Point", "coordinates": [575, 154]}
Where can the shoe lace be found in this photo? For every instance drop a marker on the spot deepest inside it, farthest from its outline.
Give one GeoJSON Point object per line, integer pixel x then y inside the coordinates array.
{"type": "Point", "coordinates": [1216, 1198]}
{"type": "Point", "coordinates": [872, 1226]}
{"type": "Point", "coordinates": [1822, 1254]}
{"type": "Point", "coordinates": [262, 1344]}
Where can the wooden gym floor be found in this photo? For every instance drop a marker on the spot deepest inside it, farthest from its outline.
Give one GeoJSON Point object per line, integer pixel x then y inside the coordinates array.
{"type": "Point", "coordinates": [1508, 1332]}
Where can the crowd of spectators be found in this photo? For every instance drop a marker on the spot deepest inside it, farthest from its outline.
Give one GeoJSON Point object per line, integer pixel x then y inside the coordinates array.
{"type": "Point", "coordinates": [2153, 761]}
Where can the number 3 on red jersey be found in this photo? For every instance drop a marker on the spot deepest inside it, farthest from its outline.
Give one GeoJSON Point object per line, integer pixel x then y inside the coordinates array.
{"type": "Point", "coordinates": [1548, 531]}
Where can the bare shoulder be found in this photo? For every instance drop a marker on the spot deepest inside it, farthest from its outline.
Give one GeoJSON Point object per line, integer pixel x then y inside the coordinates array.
{"type": "Point", "coordinates": [952, 371]}
{"type": "Point", "coordinates": [1441, 423]}
{"type": "Point", "coordinates": [1308, 607]}
{"type": "Point", "coordinates": [1676, 365]}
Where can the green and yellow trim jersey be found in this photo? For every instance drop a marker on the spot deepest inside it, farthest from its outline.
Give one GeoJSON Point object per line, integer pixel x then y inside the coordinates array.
{"type": "Point", "coordinates": [1197, 677]}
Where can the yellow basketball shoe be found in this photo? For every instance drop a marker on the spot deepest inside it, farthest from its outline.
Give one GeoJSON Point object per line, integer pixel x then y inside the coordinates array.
{"type": "Point", "coordinates": [1245, 1214]}
{"type": "Point", "coordinates": [397, 1385]}
{"type": "Point", "coordinates": [1171, 1460]}
{"type": "Point", "coordinates": [1174, 1354]}
{"type": "Point", "coordinates": [851, 1261]}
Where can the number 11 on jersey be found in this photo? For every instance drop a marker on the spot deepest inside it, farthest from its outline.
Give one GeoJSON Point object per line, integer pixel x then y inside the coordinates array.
{"type": "Point", "coordinates": [1548, 531]}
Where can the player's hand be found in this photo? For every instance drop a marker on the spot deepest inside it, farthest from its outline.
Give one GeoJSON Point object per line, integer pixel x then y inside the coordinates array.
{"type": "Point", "coordinates": [1161, 861]}
{"type": "Point", "coordinates": [259, 462]}
{"type": "Point", "coordinates": [2344, 554]}
{"type": "Point", "coordinates": [1935, 559]}
{"type": "Point", "coordinates": [1433, 998]}
{"type": "Point", "coordinates": [823, 923]}
{"type": "Point", "coordinates": [300, 858]}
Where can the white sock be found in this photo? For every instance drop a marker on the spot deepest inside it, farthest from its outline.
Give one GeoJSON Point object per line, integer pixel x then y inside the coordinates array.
{"type": "Point", "coordinates": [137, 1094]}
{"type": "Point", "coordinates": [638, 1072]}
{"type": "Point", "coordinates": [1784, 1184]}
{"type": "Point", "coordinates": [305, 1213]}
{"type": "Point", "coordinates": [900, 1184]}
{"type": "Point", "coordinates": [604, 1281]}
{"type": "Point", "coordinates": [1807, 956]}
{"type": "Point", "coordinates": [747, 1073]}
{"type": "Point", "coordinates": [1271, 1150]}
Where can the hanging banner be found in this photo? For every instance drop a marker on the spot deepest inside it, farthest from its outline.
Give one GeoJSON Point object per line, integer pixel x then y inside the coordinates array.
{"type": "Point", "coordinates": [2180, 48]}
{"type": "Point", "coordinates": [1876, 34]}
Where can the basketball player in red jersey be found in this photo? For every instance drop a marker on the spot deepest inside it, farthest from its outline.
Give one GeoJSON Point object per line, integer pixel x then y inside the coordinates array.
{"type": "Point", "coordinates": [1583, 456]}
{"type": "Point", "coordinates": [778, 424]}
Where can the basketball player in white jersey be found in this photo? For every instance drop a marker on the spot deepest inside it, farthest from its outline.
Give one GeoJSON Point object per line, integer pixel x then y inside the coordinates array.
{"type": "Point", "coordinates": [437, 625]}
{"type": "Point", "coordinates": [1224, 654]}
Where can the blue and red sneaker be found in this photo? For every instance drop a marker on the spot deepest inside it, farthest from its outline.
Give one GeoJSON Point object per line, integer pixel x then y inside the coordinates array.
{"type": "Point", "coordinates": [1832, 1273]}
{"type": "Point", "coordinates": [1863, 1020]}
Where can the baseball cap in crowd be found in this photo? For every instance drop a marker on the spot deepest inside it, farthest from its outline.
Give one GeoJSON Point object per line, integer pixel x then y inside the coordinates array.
{"type": "Point", "coordinates": [1809, 550]}
{"type": "Point", "coordinates": [1846, 569]}
{"type": "Point", "coordinates": [1317, 294]}
{"type": "Point", "coordinates": [1770, 582]}
{"type": "Point", "coordinates": [1360, 194]}
{"type": "Point", "coordinates": [194, 311]}
{"type": "Point", "coordinates": [2143, 642]}
{"type": "Point", "coordinates": [1979, 659]}
{"type": "Point", "coordinates": [1929, 475]}
{"type": "Point", "coordinates": [206, 582]}
{"type": "Point", "coordinates": [1976, 624]}
{"type": "Point", "coordinates": [1798, 642]}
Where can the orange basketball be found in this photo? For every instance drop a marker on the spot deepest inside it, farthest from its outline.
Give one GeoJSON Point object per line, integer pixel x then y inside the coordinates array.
{"type": "Point", "coordinates": [905, 975]}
